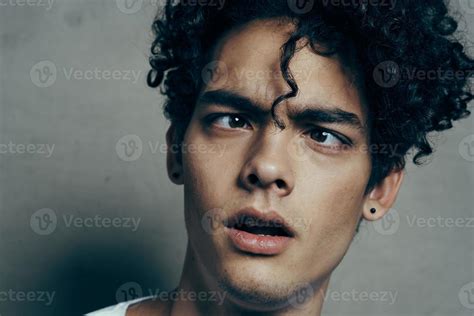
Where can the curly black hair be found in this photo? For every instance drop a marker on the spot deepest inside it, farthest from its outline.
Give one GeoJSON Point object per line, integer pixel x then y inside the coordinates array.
{"type": "Point", "coordinates": [397, 39]}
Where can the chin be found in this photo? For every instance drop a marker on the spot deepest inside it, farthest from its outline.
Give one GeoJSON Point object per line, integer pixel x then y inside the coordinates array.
{"type": "Point", "coordinates": [257, 286]}
{"type": "Point", "coordinates": [255, 294]}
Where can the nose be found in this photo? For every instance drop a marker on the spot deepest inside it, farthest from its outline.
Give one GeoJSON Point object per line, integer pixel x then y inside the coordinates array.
{"type": "Point", "coordinates": [268, 166]}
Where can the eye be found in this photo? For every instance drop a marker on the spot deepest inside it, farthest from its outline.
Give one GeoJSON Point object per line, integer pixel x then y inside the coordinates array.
{"type": "Point", "coordinates": [327, 138]}
{"type": "Point", "coordinates": [229, 120]}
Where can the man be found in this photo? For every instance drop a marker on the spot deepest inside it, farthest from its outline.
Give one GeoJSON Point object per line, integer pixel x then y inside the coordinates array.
{"type": "Point", "coordinates": [315, 113]}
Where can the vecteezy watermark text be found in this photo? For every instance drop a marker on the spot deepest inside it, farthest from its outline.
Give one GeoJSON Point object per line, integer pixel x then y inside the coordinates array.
{"type": "Point", "coordinates": [132, 290]}
{"type": "Point", "coordinates": [353, 3]}
{"type": "Point", "coordinates": [361, 296]}
{"type": "Point", "coordinates": [440, 221]}
{"type": "Point", "coordinates": [14, 148]}
{"type": "Point", "coordinates": [11, 295]}
{"type": "Point", "coordinates": [131, 147]}
{"type": "Point", "coordinates": [183, 295]}
{"type": "Point", "coordinates": [45, 222]}
{"type": "Point", "coordinates": [133, 6]}
{"type": "Point", "coordinates": [47, 4]}
{"type": "Point", "coordinates": [45, 73]}
{"type": "Point", "coordinates": [388, 74]}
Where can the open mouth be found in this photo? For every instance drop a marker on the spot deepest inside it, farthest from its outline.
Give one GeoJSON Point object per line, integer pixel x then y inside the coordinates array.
{"type": "Point", "coordinates": [258, 226]}
{"type": "Point", "coordinates": [258, 233]}
{"type": "Point", "coordinates": [261, 233]}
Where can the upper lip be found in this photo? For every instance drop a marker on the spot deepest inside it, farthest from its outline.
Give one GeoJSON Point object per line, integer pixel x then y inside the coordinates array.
{"type": "Point", "coordinates": [270, 217]}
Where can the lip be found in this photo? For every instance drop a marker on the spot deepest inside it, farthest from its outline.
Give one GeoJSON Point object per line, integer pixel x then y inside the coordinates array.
{"type": "Point", "coordinates": [256, 243]}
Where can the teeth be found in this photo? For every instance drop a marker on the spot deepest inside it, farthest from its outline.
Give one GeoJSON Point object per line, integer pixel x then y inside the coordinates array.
{"type": "Point", "coordinates": [262, 231]}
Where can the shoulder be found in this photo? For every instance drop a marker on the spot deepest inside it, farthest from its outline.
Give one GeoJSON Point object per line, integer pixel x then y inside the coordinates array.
{"type": "Point", "coordinates": [119, 309]}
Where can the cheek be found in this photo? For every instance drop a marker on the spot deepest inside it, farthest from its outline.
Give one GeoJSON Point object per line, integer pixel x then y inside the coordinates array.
{"type": "Point", "coordinates": [209, 173]}
{"type": "Point", "coordinates": [338, 181]}
{"type": "Point", "coordinates": [201, 180]}
{"type": "Point", "coordinates": [333, 198]}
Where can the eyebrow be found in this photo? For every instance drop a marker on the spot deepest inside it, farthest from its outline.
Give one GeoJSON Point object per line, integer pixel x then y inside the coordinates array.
{"type": "Point", "coordinates": [313, 113]}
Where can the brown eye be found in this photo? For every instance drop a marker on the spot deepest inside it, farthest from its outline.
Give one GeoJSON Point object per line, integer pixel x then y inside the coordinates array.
{"type": "Point", "coordinates": [230, 121]}
{"type": "Point", "coordinates": [325, 138]}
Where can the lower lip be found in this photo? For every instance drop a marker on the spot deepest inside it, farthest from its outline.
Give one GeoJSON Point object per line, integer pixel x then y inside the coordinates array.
{"type": "Point", "coordinates": [256, 244]}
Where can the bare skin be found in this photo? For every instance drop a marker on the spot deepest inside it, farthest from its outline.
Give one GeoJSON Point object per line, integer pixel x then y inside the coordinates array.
{"type": "Point", "coordinates": [313, 173]}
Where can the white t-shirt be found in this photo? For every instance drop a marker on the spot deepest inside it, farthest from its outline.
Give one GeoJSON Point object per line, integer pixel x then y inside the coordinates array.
{"type": "Point", "coordinates": [117, 310]}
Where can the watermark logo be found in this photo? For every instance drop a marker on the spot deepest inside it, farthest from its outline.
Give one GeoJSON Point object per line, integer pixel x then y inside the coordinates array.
{"type": "Point", "coordinates": [466, 148]}
{"type": "Point", "coordinates": [129, 148]}
{"type": "Point", "coordinates": [44, 221]}
{"type": "Point", "coordinates": [304, 293]}
{"type": "Point", "coordinates": [387, 74]}
{"type": "Point", "coordinates": [301, 6]}
{"type": "Point", "coordinates": [43, 74]}
{"type": "Point", "coordinates": [214, 73]}
{"type": "Point", "coordinates": [466, 295]}
{"type": "Point", "coordinates": [129, 6]}
{"type": "Point", "coordinates": [389, 224]}
{"type": "Point", "coordinates": [214, 221]}
{"type": "Point", "coordinates": [297, 149]}
{"type": "Point", "coordinates": [128, 291]}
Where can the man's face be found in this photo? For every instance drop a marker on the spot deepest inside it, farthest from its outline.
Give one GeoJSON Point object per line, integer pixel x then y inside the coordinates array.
{"type": "Point", "coordinates": [312, 173]}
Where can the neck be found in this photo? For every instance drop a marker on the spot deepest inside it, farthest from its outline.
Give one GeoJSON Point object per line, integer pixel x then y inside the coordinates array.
{"type": "Point", "coordinates": [209, 299]}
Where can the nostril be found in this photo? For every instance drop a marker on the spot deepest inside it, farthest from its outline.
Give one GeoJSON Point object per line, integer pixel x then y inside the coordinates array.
{"type": "Point", "coordinates": [280, 183]}
{"type": "Point", "coordinates": [253, 179]}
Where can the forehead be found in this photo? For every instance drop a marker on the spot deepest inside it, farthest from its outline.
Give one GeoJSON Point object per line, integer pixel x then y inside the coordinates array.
{"type": "Point", "coordinates": [249, 58]}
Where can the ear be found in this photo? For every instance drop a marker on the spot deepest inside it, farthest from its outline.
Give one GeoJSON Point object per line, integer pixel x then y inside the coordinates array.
{"type": "Point", "coordinates": [383, 195]}
{"type": "Point", "coordinates": [173, 156]}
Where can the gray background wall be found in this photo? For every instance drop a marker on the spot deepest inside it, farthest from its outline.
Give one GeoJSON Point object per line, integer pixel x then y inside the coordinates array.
{"type": "Point", "coordinates": [87, 120]}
